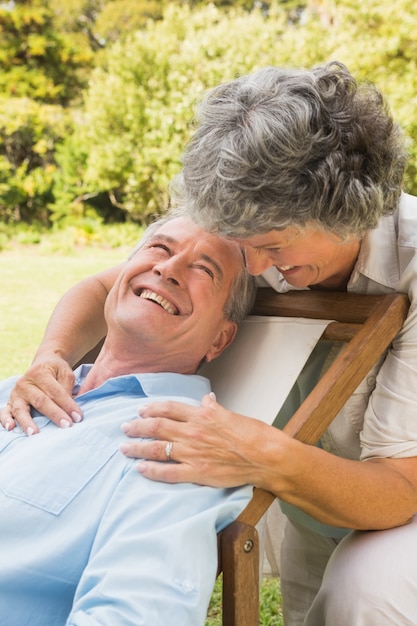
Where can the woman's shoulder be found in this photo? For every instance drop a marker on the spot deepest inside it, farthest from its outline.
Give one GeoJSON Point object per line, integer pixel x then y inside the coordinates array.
{"type": "Point", "coordinates": [408, 203]}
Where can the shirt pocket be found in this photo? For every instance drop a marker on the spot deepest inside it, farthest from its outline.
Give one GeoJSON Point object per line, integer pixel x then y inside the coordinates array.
{"type": "Point", "coordinates": [10, 438]}
{"type": "Point", "coordinates": [48, 470]}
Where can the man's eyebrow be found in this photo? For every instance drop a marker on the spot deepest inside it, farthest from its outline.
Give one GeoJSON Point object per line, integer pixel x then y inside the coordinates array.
{"type": "Point", "coordinates": [204, 257]}
{"type": "Point", "coordinates": [160, 236]}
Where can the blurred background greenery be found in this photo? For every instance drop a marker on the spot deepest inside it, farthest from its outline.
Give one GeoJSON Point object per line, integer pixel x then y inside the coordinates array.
{"type": "Point", "coordinates": [97, 96]}
{"type": "Point", "coordinates": [32, 282]}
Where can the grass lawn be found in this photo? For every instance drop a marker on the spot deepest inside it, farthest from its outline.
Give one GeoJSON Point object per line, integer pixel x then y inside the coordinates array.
{"type": "Point", "coordinates": [32, 283]}
{"type": "Point", "coordinates": [270, 611]}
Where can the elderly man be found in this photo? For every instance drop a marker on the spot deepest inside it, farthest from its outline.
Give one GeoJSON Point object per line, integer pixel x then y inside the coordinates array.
{"type": "Point", "coordinates": [84, 538]}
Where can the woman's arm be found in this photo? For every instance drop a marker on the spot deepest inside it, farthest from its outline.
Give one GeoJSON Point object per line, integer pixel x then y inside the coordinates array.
{"type": "Point", "coordinates": [75, 327]}
{"type": "Point", "coordinates": [217, 447]}
{"type": "Point", "coordinates": [213, 446]}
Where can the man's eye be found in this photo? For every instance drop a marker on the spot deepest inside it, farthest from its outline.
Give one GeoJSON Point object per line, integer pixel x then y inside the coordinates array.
{"type": "Point", "coordinates": [161, 246]}
{"type": "Point", "coordinates": [207, 270]}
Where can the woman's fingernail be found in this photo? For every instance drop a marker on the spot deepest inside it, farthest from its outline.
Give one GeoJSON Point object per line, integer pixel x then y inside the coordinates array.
{"type": "Point", "coordinates": [8, 425]}
{"type": "Point", "coordinates": [125, 427]}
{"type": "Point", "coordinates": [76, 417]}
{"type": "Point", "coordinates": [29, 431]}
{"type": "Point", "coordinates": [124, 448]}
{"type": "Point", "coordinates": [212, 395]}
{"type": "Point", "coordinates": [65, 423]}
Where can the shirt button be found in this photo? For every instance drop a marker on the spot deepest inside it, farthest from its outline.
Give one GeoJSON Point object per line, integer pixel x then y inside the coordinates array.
{"type": "Point", "coordinates": [188, 586]}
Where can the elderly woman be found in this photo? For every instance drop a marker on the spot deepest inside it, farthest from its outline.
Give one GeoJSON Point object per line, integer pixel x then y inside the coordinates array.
{"type": "Point", "coordinates": [304, 168]}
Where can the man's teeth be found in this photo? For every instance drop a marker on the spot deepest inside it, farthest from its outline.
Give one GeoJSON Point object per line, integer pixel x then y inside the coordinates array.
{"type": "Point", "coordinates": [147, 294]}
{"type": "Point", "coordinates": [285, 268]}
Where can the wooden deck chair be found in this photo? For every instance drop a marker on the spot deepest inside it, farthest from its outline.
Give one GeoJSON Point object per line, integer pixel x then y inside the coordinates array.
{"type": "Point", "coordinates": [367, 325]}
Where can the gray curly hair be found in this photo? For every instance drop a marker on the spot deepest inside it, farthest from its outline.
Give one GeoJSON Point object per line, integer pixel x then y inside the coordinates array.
{"type": "Point", "coordinates": [282, 147]}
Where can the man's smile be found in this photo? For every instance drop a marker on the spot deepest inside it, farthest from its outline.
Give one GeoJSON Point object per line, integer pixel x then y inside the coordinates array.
{"type": "Point", "coordinates": [168, 306]}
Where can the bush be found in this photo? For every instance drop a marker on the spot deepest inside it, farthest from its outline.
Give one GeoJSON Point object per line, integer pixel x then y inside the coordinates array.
{"type": "Point", "coordinates": [138, 109]}
{"type": "Point", "coordinates": [29, 134]}
{"type": "Point", "coordinates": [114, 156]}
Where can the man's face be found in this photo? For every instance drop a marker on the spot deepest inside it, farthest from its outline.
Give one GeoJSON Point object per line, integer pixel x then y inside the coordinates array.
{"type": "Point", "coordinates": [172, 292]}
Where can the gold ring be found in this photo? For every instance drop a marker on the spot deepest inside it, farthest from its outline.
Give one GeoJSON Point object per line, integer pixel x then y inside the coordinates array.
{"type": "Point", "coordinates": [168, 450]}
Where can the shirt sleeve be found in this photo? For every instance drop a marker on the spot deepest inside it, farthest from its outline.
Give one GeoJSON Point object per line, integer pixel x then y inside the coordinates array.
{"type": "Point", "coordinates": [390, 424]}
{"type": "Point", "coordinates": [154, 559]}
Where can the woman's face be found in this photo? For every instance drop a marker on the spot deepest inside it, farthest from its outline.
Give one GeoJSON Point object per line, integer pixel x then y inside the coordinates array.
{"type": "Point", "coordinates": [304, 257]}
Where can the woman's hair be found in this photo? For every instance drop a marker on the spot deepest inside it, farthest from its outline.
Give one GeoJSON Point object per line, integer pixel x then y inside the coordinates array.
{"type": "Point", "coordinates": [242, 293]}
{"type": "Point", "coordinates": [282, 147]}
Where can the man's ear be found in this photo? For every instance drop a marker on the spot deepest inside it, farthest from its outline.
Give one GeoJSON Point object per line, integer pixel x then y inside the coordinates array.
{"type": "Point", "coordinates": [222, 341]}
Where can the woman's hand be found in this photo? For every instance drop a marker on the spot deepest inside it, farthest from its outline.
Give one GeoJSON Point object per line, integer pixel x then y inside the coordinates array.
{"type": "Point", "coordinates": [211, 446]}
{"type": "Point", "coordinates": [47, 386]}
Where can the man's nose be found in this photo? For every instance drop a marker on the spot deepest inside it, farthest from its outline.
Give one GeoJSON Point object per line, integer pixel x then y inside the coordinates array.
{"type": "Point", "coordinates": [257, 261]}
{"type": "Point", "coordinates": [170, 269]}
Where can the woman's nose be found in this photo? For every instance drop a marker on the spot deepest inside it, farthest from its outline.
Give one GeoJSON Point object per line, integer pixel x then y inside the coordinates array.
{"type": "Point", "coordinates": [257, 261]}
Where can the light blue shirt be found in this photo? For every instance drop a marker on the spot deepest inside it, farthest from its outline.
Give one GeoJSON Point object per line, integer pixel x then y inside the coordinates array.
{"type": "Point", "coordinates": [85, 539]}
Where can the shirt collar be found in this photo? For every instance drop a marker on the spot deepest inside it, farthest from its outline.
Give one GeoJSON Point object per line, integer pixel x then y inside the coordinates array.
{"type": "Point", "coordinates": [378, 256]}
{"type": "Point", "coordinates": [149, 384]}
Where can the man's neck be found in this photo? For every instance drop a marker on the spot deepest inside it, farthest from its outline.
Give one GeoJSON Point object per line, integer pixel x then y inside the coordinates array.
{"type": "Point", "coordinates": [111, 363]}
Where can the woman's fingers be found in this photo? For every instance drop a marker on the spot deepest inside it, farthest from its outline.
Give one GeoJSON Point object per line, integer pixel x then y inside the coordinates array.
{"type": "Point", "coordinates": [208, 443]}
{"type": "Point", "coordinates": [47, 388]}
{"type": "Point", "coordinates": [169, 472]}
{"type": "Point", "coordinates": [6, 417]}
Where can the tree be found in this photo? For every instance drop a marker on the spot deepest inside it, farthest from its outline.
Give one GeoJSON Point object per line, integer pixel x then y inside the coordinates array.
{"type": "Point", "coordinates": [36, 60]}
{"type": "Point", "coordinates": [138, 109]}
{"type": "Point", "coordinates": [29, 134]}
{"type": "Point", "coordinates": [128, 132]}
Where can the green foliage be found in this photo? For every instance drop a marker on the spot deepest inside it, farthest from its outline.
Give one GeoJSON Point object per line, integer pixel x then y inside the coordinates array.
{"type": "Point", "coordinates": [29, 133]}
{"type": "Point", "coordinates": [376, 40]}
{"type": "Point", "coordinates": [42, 70]}
{"type": "Point", "coordinates": [138, 109]}
{"type": "Point", "coordinates": [37, 61]}
{"type": "Point", "coordinates": [126, 16]}
{"type": "Point", "coordinates": [153, 61]}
